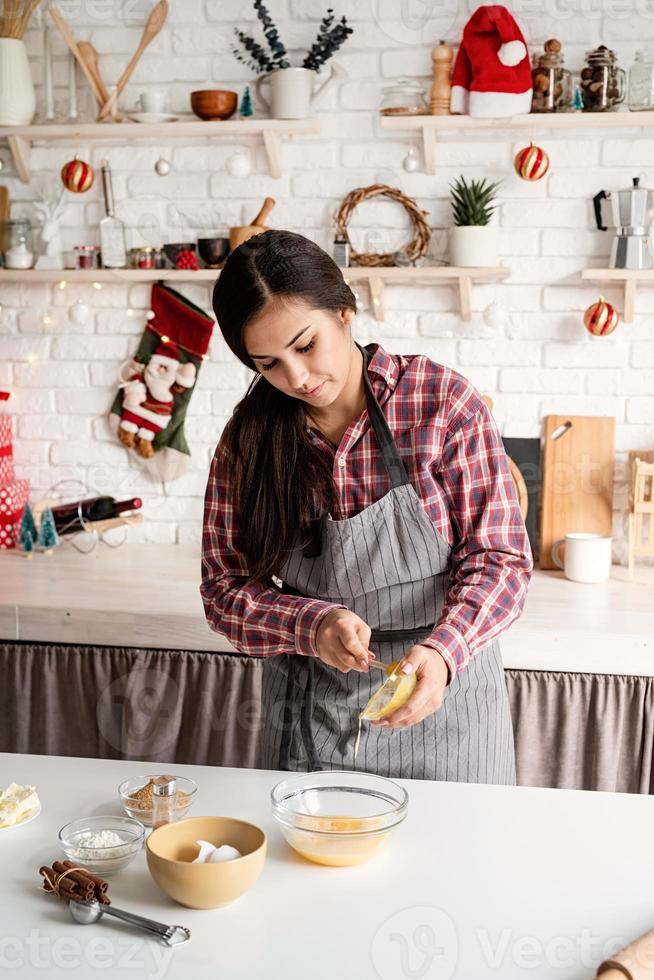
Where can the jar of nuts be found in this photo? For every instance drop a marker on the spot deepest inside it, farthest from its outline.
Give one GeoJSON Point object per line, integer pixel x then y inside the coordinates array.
{"type": "Point", "coordinates": [552, 82]}
{"type": "Point", "coordinates": [603, 84]}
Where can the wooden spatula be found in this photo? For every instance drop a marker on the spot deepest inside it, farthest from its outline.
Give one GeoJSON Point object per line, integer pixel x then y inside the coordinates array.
{"type": "Point", "coordinates": [91, 59]}
{"type": "Point", "coordinates": [4, 204]}
{"type": "Point", "coordinates": [152, 27]}
{"type": "Point", "coordinates": [67, 35]}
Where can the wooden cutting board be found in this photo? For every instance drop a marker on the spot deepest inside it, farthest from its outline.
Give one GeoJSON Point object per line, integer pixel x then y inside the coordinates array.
{"type": "Point", "coordinates": [577, 488]}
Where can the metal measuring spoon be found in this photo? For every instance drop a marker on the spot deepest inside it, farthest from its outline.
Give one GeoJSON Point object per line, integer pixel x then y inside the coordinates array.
{"type": "Point", "coordinates": [87, 912]}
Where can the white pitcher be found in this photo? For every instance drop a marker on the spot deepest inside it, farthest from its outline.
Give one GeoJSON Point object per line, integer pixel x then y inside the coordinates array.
{"type": "Point", "coordinates": [292, 91]}
{"type": "Point", "coordinates": [17, 97]}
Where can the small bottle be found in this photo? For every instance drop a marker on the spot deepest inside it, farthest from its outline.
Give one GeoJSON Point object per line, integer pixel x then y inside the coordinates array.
{"type": "Point", "coordinates": [164, 800]}
{"type": "Point", "coordinates": [341, 253]}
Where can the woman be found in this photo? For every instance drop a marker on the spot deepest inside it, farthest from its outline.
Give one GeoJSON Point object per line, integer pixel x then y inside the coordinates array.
{"type": "Point", "coordinates": [359, 504]}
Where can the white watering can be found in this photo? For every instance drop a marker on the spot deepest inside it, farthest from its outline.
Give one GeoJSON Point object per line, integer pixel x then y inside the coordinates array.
{"type": "Point", "coordinates": [293, 91]}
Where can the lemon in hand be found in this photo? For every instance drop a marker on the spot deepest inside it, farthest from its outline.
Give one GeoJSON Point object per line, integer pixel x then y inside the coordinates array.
{"type": "Point", "coordinates": [393, 694]}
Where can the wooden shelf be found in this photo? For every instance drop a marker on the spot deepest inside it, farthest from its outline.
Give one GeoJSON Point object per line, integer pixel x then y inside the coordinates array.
{"type": "Point", "coordinates": [272, 132]}
{"type": "Point", "coordinates": [375, 277]}
{"type": "Point", "coordinates": [629, 278]}
{"type": "Point", "coordinates": [429, 126]}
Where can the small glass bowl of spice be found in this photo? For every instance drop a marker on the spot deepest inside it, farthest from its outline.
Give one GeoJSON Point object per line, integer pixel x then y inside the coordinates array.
{"type": "Point", "coordinates": [136, 797]}
{"type": "Point", "coordinates": [102, 845]}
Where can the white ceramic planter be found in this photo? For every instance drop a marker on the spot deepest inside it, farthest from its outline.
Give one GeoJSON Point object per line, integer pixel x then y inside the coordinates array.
{"type": "Point", "coordinates": [292, 91]}
{"type": "Point", "coordinates": [474, 245]}
{"type": "Point", "coordinates": [17, 97]}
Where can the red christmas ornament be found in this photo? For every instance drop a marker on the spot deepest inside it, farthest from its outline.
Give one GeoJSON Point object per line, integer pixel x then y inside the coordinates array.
{"type": "Point", "coordinates": [77, 176]}
{"type": "Point", "coordinates": [531, 163]}
{"type": "Point", "coordinates": [601, 318]}
{"type": "Point", "coordinates": [186, 259]}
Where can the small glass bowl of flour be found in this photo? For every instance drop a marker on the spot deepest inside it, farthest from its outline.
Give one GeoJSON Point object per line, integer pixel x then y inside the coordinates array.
{"type": "Point", "coordinates": [102, 845]}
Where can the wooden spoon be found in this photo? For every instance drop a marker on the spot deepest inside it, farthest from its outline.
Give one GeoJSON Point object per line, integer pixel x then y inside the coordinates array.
{"type": "Point", "coordinates": [67, 35]}
{"type": "Point", "coordinates": [152, 27]}
{"type": "Point", "coordinates": [91, 58]}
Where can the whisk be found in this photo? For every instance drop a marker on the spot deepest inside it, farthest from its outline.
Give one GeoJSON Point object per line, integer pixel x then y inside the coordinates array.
{"type": "Point", "coordinates": [15, 16]}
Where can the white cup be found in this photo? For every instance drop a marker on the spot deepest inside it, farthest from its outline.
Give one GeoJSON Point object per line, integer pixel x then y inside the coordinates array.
{"type": "Point", "coordinates": [153, 101]}
{"type": "Point", "coordinates": [587, 557]}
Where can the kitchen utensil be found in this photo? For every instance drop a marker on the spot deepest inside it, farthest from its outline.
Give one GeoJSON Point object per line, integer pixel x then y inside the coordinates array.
{"type": "Point", "coordinates": [67, 35]}
{"type": "Point", "coordinates": [587, 557]}
{"type": "Point", "coordinates": [240, 233]}
{"type": "Point", "coordinates": [524, 458]}
{"type": "Point", "coordinates": [87, 913]}
{"type": "Point", "coordinates": [641, 506]}
{"type": "Point", "coordinates": [213, 251]}
{"type": "Point", "coordinates": [4, 206]}
{"type": "Point", "coordinates": [74, 841]}
{"type": "Point", "coordinates": [211, 104]}
{"type": "Point", "coordinates": [633, 213]}
{"type": "Point", "coordinates": [112, 231]}
{"type": "Point", "coordinates": [577, 490]}
{"type": "Point", "coordinates": [91, 58]}
{"type": "Point", "coordinates": [153, 25]}
{"type": "Point", "coordinates": [338, 818]}
{"type": "Point", "coordinates": [171, 850]}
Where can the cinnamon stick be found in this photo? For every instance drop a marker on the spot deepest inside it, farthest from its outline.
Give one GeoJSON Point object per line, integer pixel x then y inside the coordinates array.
{"type": "Point", "coordinates": [99, 883]}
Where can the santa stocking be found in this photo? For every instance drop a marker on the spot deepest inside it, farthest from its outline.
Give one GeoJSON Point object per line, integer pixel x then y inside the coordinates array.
{"type": "Point", "coordinates": [156, 385]}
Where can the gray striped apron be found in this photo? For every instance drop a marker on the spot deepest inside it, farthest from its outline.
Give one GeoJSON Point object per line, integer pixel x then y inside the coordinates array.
{"type": "Point", "coordinates": [389, 565]}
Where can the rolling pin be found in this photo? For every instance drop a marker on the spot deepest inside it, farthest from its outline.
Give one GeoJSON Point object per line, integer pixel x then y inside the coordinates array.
{"type": "Point", "coordinates": [635, 962]}
{"type": "Point", "coordinates": [240, 233]}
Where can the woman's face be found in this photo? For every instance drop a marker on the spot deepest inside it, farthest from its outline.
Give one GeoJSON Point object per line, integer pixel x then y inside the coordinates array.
{"type": "Point", "coordinates": [306, 353]}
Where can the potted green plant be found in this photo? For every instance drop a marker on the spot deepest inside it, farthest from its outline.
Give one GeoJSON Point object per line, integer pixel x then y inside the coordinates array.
{"type": "Point", "coordinates": [473, 240]}
{"type": "Point", "coordinates": [292, 89]}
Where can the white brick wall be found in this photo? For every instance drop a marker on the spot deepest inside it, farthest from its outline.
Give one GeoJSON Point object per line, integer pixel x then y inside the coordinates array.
{"type": "Point", "coordinates": [541, 360]}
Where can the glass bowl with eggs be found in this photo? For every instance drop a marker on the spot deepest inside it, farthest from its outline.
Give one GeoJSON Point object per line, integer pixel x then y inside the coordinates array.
{"type": "Point", "coordinates": [338, 818]}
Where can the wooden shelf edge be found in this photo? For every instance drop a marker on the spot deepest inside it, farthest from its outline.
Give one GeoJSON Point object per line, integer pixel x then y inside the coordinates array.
{"type": "Point", "coordinates": [628, 279]}
{"type": "Point", "coordinates": [272, 131]}
{"type": "Point", "coordinates": [536, 120]}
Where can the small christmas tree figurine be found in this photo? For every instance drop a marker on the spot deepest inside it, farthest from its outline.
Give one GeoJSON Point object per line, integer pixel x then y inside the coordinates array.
{"type": "Point", "coordinates": [48, 537]}
{"type": "Point", "coordinates": [27, 535]}
{"type": "Point", "coordinates": [247, 109]}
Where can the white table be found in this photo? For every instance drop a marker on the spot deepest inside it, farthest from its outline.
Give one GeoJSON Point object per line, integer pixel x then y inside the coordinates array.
{"type": "Point", "coordinates": [509, 883]}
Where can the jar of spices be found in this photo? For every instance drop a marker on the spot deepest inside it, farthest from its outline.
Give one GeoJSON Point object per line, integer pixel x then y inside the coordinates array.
{"type": "Point", "coordinates": [87, 256]}
{"type": "Point", "coordinates": [603, 84]}
{"type": "Point", "coordinates": [641, 81]}
{"type": "Point", "coordinates": [405, 97]}
{"type": "Point", "coordinates": [164, 795]}
{"type": "Point", "coordinates": [552, 82]}
{"type": "Point", "coordinates": [142, 257]}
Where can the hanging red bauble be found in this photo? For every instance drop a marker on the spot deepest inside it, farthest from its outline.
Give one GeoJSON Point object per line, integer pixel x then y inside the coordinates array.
{"type": "Point", "coordinates": [601, 318]}
{"type": "Point", "coordinates": [77, 176]}
{"type": "Point", "coordinates": [531, 163]}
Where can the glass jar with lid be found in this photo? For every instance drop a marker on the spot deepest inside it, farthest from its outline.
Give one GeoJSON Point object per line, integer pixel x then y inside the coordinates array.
{"type": "Point", "coordinates": [603, 84]}
{"type": "Point", "coordinates": [405, 97]}
{"type": "Point", "coordinates": [16, 244]}
{"type": "Point", "coordinates": [552, 82]}
{"type": "Point", "coordinates": [641, 81]}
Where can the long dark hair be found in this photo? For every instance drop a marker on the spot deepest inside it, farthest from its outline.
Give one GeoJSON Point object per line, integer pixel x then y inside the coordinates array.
{"type": "Point", "coordinates": [282, 482]}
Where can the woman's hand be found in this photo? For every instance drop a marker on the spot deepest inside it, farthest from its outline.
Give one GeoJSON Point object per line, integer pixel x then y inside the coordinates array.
{"type": "Point", "coordinates": [342, 641]}
{"type": "Point", "coordinates": [432, 673]}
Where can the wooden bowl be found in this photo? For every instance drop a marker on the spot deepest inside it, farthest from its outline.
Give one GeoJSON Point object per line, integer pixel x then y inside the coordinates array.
{"type": "Point", "coordinates": [171, 849]}
{"type": "Point", "coordinates": [214, 103]}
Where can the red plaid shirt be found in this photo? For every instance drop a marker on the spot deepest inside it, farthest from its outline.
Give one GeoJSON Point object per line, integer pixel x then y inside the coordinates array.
{"type": "Point", "coordinates": [455, 460]}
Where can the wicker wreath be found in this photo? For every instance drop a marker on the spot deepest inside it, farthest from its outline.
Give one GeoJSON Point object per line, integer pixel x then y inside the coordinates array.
{"type": "Point", "coordinates": [416, 247]}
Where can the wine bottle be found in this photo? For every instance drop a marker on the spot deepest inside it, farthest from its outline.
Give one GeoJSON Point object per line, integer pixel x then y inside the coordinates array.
{"type": "Point", "coordinates": [70, 518]}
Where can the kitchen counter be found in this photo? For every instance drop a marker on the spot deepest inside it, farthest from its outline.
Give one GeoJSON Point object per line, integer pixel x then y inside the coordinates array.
{"type": "Point", "coordinates": [147, 596]}
{"type": "Point", "coordinates": [531, 887]}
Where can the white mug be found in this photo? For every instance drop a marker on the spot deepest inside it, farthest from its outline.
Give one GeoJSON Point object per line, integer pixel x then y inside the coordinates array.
{"type": "Point", "coordinates": [587, 556]}
{"type": "Point", "coordinates": [153, 101]}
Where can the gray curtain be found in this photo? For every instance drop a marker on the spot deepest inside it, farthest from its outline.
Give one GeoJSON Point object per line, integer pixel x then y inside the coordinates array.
{"type": "Point", "coordinates": [573, 731]}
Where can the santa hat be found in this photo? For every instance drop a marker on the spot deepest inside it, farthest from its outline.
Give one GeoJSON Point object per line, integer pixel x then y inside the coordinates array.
{"type": "Point", "coordinates": [491, 76]}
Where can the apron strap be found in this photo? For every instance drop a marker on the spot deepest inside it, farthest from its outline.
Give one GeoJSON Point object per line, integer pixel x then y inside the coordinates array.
{"type": "Point", "coordinates": [392, 460]}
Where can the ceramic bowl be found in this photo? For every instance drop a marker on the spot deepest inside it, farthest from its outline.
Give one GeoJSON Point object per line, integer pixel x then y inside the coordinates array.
{"type": "Point", "coordinates": [186, 790]}
{"type": "Point", "coordinates": [213, 251]}
{"type": "Point", "coordinates": [338, 818]}
{"type": "Point", "coordinates": [214, 103]}
{"type": "Point", "coordinates": [171, 850]}
{"type": "Point", "coordinates": [103, 861]}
